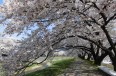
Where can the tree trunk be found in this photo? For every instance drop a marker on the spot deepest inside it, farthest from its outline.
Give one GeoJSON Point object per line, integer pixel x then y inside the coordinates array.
{"type": "Point", "coordinates": [113, 59]}
{"type": "Point", "coordinates": [98, 61]}
{"type": "Point", "coordinates": [109, 38]}
{"type": "Point", "coordinates": [89, 57]}
{"type": "Point", "coordinates": [114, 67]}
{"type": "Point", "coordinates": [114, 63]}
{"type": "Point", "coordinates": [81, 56]}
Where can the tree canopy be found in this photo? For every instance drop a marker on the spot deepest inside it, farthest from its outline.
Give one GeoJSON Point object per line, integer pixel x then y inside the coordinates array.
{"type": "Point", "coordinates": [90, 22]}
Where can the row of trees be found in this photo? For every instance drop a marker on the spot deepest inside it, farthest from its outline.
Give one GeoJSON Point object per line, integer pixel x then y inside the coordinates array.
{"type": "Point", "coordinates": [90, 21]}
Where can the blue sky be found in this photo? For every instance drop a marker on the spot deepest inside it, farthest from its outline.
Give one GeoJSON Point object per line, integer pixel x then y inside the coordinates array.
{"type": "Point", "coordinates": [3, 27]}
{"type": "Point", "coordinates": [14, 36]}
{"type": "Point", "coordinates": [1, 1]}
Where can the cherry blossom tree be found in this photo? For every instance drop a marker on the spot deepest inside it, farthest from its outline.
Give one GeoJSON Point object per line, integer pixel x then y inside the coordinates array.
{"type": "Point", "coordinates": [90, 20]}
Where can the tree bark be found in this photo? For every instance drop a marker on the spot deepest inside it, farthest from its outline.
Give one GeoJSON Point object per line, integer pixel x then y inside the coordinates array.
{"type": "Point", "coordinates": [89, 57]}
{"type": "Point", "coordinates": [98, 60]}
{"type": "Point", "coordinates": [113, 59]}
{"type": "Point", "coordinates": [114, 64]}
{"type": "Point", "coordinates": [109, 38]}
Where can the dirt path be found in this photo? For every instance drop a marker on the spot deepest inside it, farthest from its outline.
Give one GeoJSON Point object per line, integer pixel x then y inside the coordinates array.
{"type": "Point", "coordinates": [81, 68]}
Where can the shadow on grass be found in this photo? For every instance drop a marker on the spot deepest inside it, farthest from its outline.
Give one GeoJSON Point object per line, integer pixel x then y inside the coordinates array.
{"type": "Point", "coordinates": [54, 70]}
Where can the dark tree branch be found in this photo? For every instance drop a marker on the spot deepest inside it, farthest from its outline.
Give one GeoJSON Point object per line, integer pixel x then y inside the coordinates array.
{"type": "Point", "coordinates": [94, 21]}
{"type": "Point", "coordinates": [89, 24]}
{"type": "Point", "coordinates": [109, 38]}
{"type": "Point", "coordinates": [97, 50]}
{"type": "Point", "coordinates": [88, 39]}
{"type": "Point", "coordinates": [82, 1]}
{"type": "Point", "coordinates": [101, 13]}
{"type": "Point", "coordinates": [104, 17]}
{"type": "Point", "coordinates": [111, 18]}
{"type": "Point", "coordinates": [59, 40]}
{"type": "Point", "coordinates": [32, 62]}
{"type": "Point", "coordinates": [94, 5]}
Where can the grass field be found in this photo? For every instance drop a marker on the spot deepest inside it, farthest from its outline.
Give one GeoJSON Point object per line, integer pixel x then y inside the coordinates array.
{"type": "Point", "coordinates": [110, 66]}
{"type": "Point", "coordinates": [2, 72]}
{"type": "Point", "coordinates": [58, 65]}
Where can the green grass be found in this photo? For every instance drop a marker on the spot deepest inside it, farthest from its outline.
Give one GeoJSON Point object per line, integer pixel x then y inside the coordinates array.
{"type": "Point", "coordinates": [30, 67]}
{"type": "Point", "coordinates": [2, 72]}
{"type": "Point", "coordinates": [110, 66]}
{"type": "Point", "coordinates": [55, 59]}
{"type": "Point", "coordinates": [54, 70]}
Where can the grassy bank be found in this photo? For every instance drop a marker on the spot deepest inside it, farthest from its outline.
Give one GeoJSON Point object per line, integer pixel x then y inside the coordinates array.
{"type": "Point", "coordinates": [2, 72]}
{"type": "Point", "coordinates": [55, 69]}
